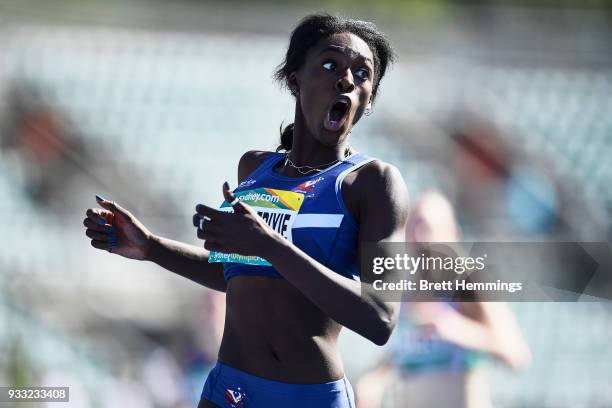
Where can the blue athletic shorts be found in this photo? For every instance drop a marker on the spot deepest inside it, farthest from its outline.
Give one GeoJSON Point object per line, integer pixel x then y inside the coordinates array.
{"type": "Point", "coordinates": [232, 388]}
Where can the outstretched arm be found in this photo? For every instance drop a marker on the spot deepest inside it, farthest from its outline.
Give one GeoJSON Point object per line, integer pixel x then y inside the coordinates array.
{"type": "Point", "coordinates": [116, 230]}
{"type": "Point", "coordinates": [188, 261]}
{"type": "Point", "coordinates": [493, 329]}
{"type": "Point", "coordinates": [488, 327]}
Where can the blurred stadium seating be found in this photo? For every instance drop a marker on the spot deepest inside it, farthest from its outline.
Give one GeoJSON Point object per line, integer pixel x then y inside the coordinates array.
{"type": "Point", "coordinates": [180, 108]}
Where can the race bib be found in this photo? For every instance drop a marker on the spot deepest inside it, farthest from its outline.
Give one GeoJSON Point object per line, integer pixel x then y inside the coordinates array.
{"type": "Point", "coordinates": [278, 208]}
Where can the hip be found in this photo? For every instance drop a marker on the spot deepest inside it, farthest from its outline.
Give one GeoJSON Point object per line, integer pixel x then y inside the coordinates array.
{"type": "Point", "coordinates": [230, 387]}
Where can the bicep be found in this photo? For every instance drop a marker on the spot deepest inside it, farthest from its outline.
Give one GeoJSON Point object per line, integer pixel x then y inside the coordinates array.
{"type": "Point", "coordinates": [383, 216]}
{"type": "Point", "coordinates": [383, 211]}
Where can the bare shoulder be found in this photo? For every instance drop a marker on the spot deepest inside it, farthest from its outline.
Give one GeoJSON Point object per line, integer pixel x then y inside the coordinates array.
{"type": "Point", "coordinates": [249, 162]}
{"type": "Point", "coordinates": [376, 172]}
{"type": "Point", "coordinates": [376, 194]}
{"type": "Point", "coordinates": [378, 177]}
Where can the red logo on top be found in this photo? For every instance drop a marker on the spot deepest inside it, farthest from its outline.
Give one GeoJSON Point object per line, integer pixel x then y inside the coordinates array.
{"type": "Point", "coordinates": [307, 186]}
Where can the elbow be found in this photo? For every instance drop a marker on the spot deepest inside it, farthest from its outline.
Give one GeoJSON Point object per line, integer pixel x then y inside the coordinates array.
{"type": "Point", "coordinates": [382, 331]}
{"type": "Point", "coordinates": [378, 321]}
{"type": "Point", "coordinates": [381, 338]}
{"type": "Point", "coordinates": [519, 358]}
{"type": "Point", "coordinates": [382, 326]}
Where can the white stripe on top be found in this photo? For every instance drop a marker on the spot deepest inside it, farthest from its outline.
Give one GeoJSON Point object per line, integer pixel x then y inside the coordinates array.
{"type": "Point", "coordinates": [318, 221]}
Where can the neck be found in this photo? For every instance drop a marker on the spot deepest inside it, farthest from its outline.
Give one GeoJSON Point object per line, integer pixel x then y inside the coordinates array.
{"type": "Point", "coordinates": [315, 156]}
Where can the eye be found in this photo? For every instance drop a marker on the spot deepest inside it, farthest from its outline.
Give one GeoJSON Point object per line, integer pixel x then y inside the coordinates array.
{"type": "Point", "coordinates": [363, 73]}
{"type": "Point", "coordinates": [329, 65]}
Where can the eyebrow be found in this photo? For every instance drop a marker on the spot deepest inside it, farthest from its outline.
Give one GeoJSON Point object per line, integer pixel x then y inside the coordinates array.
{"type": "Point", "coordinates": [347, 51]}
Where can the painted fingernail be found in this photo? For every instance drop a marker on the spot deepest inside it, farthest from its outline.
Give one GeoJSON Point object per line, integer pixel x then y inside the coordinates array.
{"type": "Point", "coordinates": [99, 198]}
{"type": "Point", "coordinates": [108, 229]}
{"type": "Point", "coordinates": [226, 185]}
{"type": "Point", "coordinates": [113, 239]}
{"type": "Point", "coordinates": [101, 221]}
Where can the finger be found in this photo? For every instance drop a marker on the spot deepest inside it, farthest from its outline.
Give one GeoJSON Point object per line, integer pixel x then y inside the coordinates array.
{"type": "Point", "coordinates": [202, 222]}
{"type": "Point", "coordinates": [205, 223]}
{"type": "Point", "coordinates": [99, 236]}
{"type": "Point", "coordinates": [228, 195]}
{"type": "Point", "coordinates": [112, 206]}
{"type": "Point", "coordinates": [106, 246]}
{"type": "Point", "coordinates": [100, 216]}
{"type": "Point", "coordinates": [202, 227]}
{"type": "Point", "coordinates": [196, 220]}
{"type": "Point", "coordinates": [209, 231]}
{"type": "Point", "coordinates": [206, 235]}
{"type": "Point", "coordinates": [203, 234]}
{"type": "Point", "coordinates": [94, 225]}
{"type": "Point", "coordinates": [213, 246]}
{"type": "Point", "coordinates": [238, 206]}
{"type": "Point", "coordinates": [199, 219]}
{"type": "Point", "coordinates": [212, 227]}
{"type": "Point", "coordinates": [206, 211]}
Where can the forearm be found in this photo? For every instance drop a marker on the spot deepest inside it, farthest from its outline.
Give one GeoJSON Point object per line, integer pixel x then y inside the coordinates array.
{"type": "Point", "coordinates": [476, 335]}
{"type": "Point", "coordinates": [496, 334]}
{"type": "Point", "coordinates": [339, 297]}
{"type": "Point", "coordinates": [186, 260]}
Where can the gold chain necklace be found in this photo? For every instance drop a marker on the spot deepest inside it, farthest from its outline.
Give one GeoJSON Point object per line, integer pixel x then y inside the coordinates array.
{"type": "Point", "coordinates": [305, 169]}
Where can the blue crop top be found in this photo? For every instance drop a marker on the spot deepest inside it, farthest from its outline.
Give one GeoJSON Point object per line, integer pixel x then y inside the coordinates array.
{"type": "Point", "coordinates": [323, 227]}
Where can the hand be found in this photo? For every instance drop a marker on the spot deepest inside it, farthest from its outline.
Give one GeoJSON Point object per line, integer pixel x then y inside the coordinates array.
{"type": "Point", "coordinates": [439, 321]}
{"type": "Point", "coordinates": [243, 232]}
{"type": "Point", "coordinates": [116, 230]}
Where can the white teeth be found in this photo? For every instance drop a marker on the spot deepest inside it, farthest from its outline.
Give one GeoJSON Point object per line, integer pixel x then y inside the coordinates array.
{"type": "Point", "coordinates": [335, 124]}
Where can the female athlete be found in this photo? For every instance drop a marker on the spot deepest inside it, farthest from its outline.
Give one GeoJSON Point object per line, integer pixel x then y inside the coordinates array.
{"type": "Point", "coordinates": [279, 346]}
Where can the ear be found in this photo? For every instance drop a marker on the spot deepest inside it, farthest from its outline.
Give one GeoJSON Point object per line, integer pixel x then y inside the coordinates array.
{"type": "Point", "coordinates": [293, 83]}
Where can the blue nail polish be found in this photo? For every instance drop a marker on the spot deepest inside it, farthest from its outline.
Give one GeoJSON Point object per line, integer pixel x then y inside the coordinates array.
{"type": "Point", "coordinates": [113, 239]}
{"type": "Point", "coordinates": [108, 229]}
{"type": "Point", "coordinates": [99, 198]}
{"type": "Point", "coordinates": [101, 221]}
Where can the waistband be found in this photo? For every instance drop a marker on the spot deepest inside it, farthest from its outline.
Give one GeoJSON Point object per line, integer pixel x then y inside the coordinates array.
{"type": "Point", "coordinates": [279, 387]}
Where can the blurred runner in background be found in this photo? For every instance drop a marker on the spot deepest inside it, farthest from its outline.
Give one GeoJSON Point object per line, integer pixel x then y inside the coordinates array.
{"type": "Point", "coordinates": [437, 357]}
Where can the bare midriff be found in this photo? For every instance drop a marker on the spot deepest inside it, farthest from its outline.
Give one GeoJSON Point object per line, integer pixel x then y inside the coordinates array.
{"type": "Point", "coordinates": [273, 331]}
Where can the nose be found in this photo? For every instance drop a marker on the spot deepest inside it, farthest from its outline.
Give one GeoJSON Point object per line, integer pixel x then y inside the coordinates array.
{"type": "Point", "coordinates": [345, 82]}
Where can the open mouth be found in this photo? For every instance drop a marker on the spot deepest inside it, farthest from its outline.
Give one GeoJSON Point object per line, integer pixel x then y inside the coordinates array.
{"type": "Point", "coordinates": [337, 114]}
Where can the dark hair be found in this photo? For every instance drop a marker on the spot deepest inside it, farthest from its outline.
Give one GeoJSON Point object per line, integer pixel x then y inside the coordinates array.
{"type": "Point", "coordinates": [315, 27]}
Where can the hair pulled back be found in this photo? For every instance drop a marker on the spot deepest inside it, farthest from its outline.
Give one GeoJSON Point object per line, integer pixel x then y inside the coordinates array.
{"type": "Point", "coordinates": [315, 27]}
